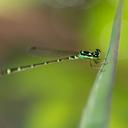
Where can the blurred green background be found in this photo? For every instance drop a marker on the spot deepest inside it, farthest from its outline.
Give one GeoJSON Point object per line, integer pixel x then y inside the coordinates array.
{"type": "Point", "coordinates": [54, 96]}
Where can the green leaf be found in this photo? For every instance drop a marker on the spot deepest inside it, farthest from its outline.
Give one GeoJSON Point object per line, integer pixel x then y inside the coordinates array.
{"type": "Point", "coordinates": [97, 111]}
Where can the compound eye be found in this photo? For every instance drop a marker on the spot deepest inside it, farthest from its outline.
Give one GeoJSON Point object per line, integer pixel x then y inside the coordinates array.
{"type": "Point", "coordinates": [98, 50]}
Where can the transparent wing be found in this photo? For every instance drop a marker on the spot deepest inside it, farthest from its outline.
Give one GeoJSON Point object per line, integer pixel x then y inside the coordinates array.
{"type": "Point", "coordinates": [46, 52]}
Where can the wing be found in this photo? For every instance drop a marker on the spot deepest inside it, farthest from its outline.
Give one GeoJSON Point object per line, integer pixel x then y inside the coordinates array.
{"type": "Point", "coordinates": [37, 51]}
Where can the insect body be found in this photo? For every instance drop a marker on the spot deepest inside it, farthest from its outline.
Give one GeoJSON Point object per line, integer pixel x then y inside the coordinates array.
{"type": "Point", "coordinates": [80, 55]}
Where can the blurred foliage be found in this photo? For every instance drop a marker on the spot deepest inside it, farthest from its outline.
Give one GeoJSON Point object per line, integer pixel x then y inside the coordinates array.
{"type": "Point", "coordinates": [53, 96]}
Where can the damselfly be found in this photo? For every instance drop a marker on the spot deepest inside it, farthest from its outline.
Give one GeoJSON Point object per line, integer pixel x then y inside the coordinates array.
{"type": "Point", "coordinates": [91, 55]}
